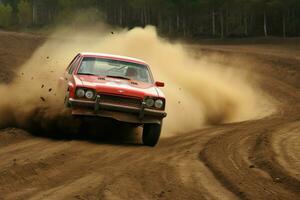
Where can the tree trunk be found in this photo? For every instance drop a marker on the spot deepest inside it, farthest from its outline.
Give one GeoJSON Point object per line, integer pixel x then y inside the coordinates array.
{"type": "Point", "coordinates": [121, 16]}
{"type": "Point", "coordinates": [283, 25]}
{"type": "Point", "coordinates": [245, 25]}
{"type": "Point", "coordinates": [142, 17]}
{"type": "Point", "coordinates": [226, 21]}
{"type": "Point", "coordinates": [170, 26]}
{"type": "Point", "coordinates": [265, 24]}
{"type": "Point", "coordinates": [34, 13]}
{"type": "Point", "coordinates": [159, 21]}
{"type": "Point", "coordinates": [213, 23]}
{"type": "Point", "coordinates": [177, 22]}
{"type": "Point", "coordinates": [184, 27]}
{"type": "Point", "coordinates": [222, 23]}
{"type": "Point", "coordinates": [145, 16]}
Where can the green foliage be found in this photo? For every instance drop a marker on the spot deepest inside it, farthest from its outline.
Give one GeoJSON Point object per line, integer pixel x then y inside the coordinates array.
{"type": "Point", "coordinates": [5, 15]}
{"type": "Point", "coordinates": [12, 3]}
{"type": "Point", "coordinates": [24, 13]}
{"type": "Point", "coordinates": [189, 18]}
{"type": "Point", "coordinates": [73, 4]}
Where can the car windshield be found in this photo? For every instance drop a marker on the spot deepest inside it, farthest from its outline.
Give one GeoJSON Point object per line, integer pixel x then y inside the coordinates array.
{"type": "Point", "coordinates": [115, 69]}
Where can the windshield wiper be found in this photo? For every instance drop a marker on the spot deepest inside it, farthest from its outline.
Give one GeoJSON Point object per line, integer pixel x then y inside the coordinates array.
{"type": "Point", "coordinates": [119, 77]}
{"type": "Point", "coordinates": [83, 73]}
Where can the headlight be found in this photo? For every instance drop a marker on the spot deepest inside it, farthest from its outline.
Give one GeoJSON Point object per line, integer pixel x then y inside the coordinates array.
{"type": "Point", "coordinates": [149, 102]}
{"type": "Point", "coordinates": [89, 94]}
{"type": "Point", "coordinates": [80, 93]}
{"type": "Point", "coordinates": [159, 104]}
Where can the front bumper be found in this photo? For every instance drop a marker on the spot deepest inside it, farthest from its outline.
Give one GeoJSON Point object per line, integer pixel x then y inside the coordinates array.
{"type": "Point", "coordinates": [123, 113]}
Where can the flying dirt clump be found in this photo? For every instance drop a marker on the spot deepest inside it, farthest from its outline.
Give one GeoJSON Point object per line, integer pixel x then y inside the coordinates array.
{"type": "Point", "coordinates": [198, 90]}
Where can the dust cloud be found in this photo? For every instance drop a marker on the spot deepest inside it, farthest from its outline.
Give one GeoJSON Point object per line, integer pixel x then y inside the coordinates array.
{"type": "Point", "coordinates": [199, 91]}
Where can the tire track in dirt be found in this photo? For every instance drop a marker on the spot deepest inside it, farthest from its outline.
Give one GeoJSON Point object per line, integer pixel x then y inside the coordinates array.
{"type": "Point", "coordinates": [250, 165]}
{"type": "Point", "coordinates": [65, 169]}
{"type": "Point", "coordinates": [286, 145]}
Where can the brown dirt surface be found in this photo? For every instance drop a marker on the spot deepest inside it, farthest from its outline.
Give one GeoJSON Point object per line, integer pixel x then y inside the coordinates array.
{"type": "Point", "coordinates": [15, 49]}
{"type": "Point", "coordinates": [256, 159]}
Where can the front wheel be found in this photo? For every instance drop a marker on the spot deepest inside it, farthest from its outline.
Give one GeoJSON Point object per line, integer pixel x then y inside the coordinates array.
{"type": "Point", "coordinates": [67, 102]}
{"type": "Point", "coordinates": [151, 134]}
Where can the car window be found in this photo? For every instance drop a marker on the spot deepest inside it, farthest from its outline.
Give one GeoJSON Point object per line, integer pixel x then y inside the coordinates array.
{"type": "Point", "coordinates": [73, 65]}
{"type": "Point", "coordinates": [109, 67]}
{"type": "Point", "coordinates": [69, 66]}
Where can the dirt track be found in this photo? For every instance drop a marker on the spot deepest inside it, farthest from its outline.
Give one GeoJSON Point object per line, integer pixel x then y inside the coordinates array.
{"type": "Point", "coordinates": [256, 159]}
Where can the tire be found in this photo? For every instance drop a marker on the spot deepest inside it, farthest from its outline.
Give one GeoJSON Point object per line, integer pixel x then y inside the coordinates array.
{"type": "Point", "coordinates": [151, 134]}
{"type": "Point", "coordinates": [66, 102]}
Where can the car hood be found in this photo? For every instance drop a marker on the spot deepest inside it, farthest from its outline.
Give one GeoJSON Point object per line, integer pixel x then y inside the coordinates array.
{"type": "Point", "coordinates": [117, 86]}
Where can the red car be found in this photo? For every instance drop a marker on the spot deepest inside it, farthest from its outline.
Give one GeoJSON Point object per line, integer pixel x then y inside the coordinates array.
{"type": "Point", "coordinates": [116, 87]}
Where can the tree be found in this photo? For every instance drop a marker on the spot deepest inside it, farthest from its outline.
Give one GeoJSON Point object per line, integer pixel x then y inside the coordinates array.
{"type": "Point", "coordinates": [24, 13]}
{"type": "Point", "coordinates": [187, 18]}
{"type": "Point", "coordinates": [284, 8]}
{"type": "Point", "coordinates": [5, 15]}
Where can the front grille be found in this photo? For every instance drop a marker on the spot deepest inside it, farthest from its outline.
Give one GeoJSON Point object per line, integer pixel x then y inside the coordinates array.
{"type": "Point", "coordinates": [120, 100]}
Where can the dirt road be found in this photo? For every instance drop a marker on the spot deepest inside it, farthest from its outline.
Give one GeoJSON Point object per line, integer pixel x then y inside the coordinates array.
{"type": "Point", "coordinates": [256, 159]}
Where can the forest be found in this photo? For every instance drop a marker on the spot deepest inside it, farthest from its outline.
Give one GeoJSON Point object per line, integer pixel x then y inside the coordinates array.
{"type": "Point", "coordinates": [177, 18]}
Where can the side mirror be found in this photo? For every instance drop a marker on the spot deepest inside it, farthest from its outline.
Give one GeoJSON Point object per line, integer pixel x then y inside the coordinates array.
{"type": "Point", "coordinates": [159, 84]}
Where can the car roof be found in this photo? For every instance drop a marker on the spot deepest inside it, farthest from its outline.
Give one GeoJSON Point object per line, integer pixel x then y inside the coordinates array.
{"type": "Point", "coordinates": [112, 56]}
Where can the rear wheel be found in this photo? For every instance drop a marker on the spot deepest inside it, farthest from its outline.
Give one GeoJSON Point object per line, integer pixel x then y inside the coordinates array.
{"type": "Point", "coordinates": [151, 134]}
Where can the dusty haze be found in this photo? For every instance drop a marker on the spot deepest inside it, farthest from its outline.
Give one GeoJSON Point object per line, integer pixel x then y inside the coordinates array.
{"type": "Point", "coordinates": [199, 91]}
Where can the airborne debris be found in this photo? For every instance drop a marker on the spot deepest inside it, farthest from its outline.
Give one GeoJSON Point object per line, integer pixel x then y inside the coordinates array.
{"type": "Point", "coordinates": [277, 180]}
{"type": "Point", "coordinates": [50, 89]}
{"type": "Point", "coordinates": [161, 194]}
{"type": "Point", "coordinates": [43, 99]}
{"type": "Point", "coordinates": [42, 86]}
